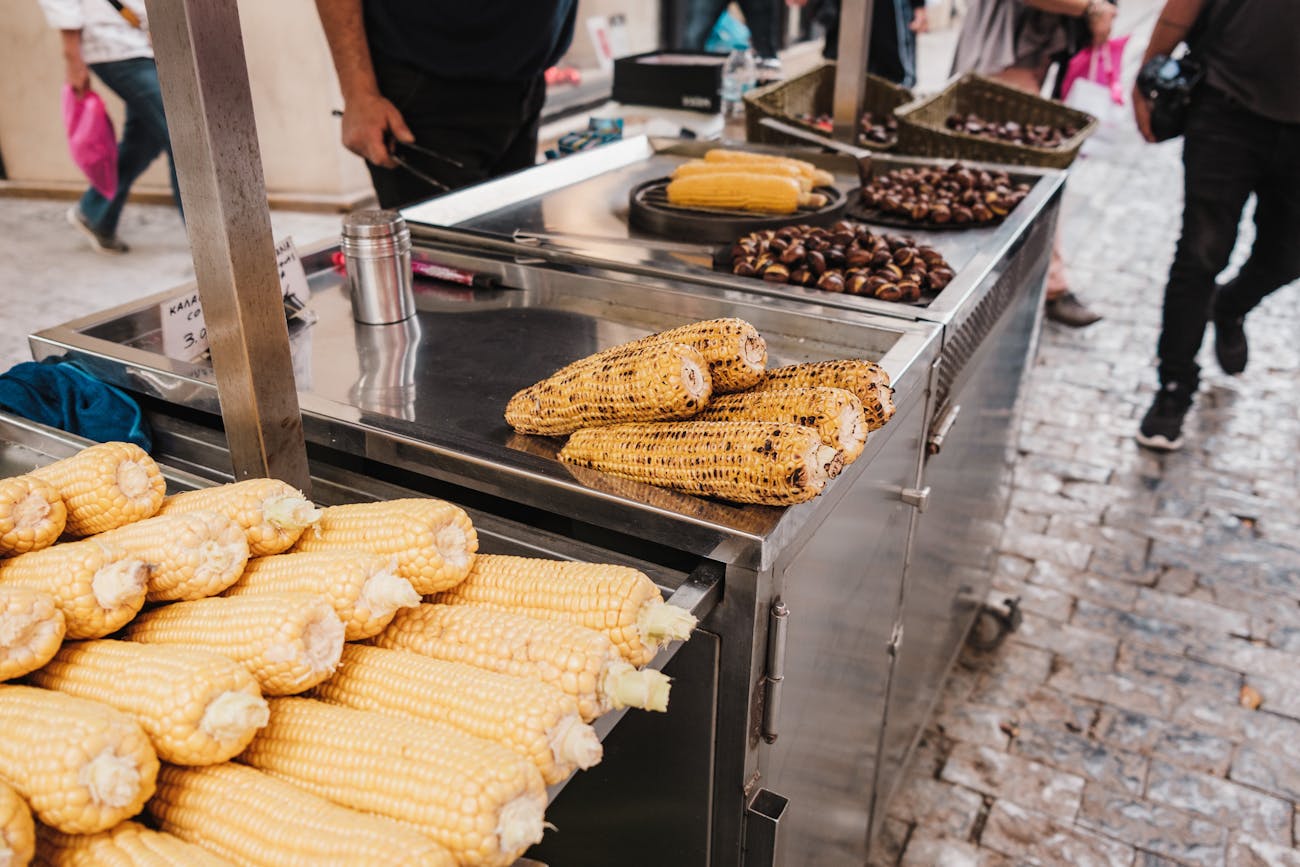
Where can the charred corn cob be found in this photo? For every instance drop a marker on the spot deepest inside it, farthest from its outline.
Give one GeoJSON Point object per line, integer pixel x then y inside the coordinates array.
{"type": "Point", "coordinates": [197, 707]}
{"type": "Point", "coordinates": [477, 798]}
{"type": "Point", "coordinates": [190, 556]}
{"type": "Point", "coordinates": [742, 191]}
{"type": "Point", "coordinates": [106, 486]}
{"type": "Point", "coordinates": [867, 380]}
{"type": "Point", "coordinates": [534, 719]}
{"type": "Point", "coordinates": [775, 463]}
{"type": "Point", "coordinates": [617, 600]}
{"type": "Point", "coordinates": [31, 630]}
{"type": "Point", "coordinates": [289, 642]}
{"type": "Point", "coordinates": [128, 844]}
{"type": "Point", "coordinates": [732, 348]}
{"type": "Point", "coordinates": [98, 587]}
{"type": "Point", "coordinates": [272, 512]}
{"type": "Point", "coordinates": [250, 817]}
{"type": "Point", "coordinates": [580, 661]}
{"type": "Point", "coordinates": [80, 765]}
{"type": "Point", "coordinates": [819, 177]}
{"type": "Point", "coordinates": [363, 588]}
{"type": "Point", "coordinates": [17, 831]}
{"type": "Point", "coordinates": [32, 515]}
{"type": "Point", "coordinates": [704, 167]}
{"type": "Point", "coordinates": [434, 541]}
{"type": "Point", "coordinates": [836, 414]}
{"type": "Point", "coordinates": [658, 381]}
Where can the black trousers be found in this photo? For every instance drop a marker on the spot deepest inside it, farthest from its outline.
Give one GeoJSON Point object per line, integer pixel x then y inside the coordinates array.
{"type": "Point", "coordinates": [490, 127]}
{"type": "Point", "coordinates": [762, 17]}
{"type": "Point", "coordinates": [1229, 153]}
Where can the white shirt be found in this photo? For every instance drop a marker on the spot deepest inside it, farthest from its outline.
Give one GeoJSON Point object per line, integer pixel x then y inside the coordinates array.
{"type": "Point", "coordinates": [105, 34]}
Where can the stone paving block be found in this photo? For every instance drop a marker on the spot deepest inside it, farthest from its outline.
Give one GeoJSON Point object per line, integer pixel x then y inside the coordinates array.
{"type": "Point", "coordinates": [1261, 605]}
{"type": "Point", "coordinates": [924, 850]}
{"type": "Point", "coordinates": [1281, 695]}
{"type": "Point", "coordinates": [1083, 756]}
{"type": "Point", "coordinates": [1129, 691]}
{"type": "Point", "coordinates": [1048, 504]}
{"type": "Point", "coordinates": [941, 808]}
{"type": "Point", "coordinates": [1068, 471]}
{"type": "Point", "coordinates": [1213, 682]}
{"type": "Point", "coordinates": [1267, 769]}
{"type": "Point", "coordinates": [1083, 528]}
{"type": "Point", "coordinates": [1084, 585]}
{"type": "Point", "coordinates": [1150, 631]}
{"type": "Point", "coordinates": [1226, 803]}
{"type": "Point", "coordinates": [1026, 478]}
{"type": "Point", "coordinates": [1035, 546]}
{"type": "Point", "coordinates": [1026, 522]}
{"type": "Point", "coordinates": [1013, 566]}
{"type": "Point", "coordinates": [1151, 827]}
{"type": "Point", "coordinates": [1120, 565]}
{"type": "Point", "coordinates": [1083, 647]}
{"type": "Point", "coordinates": [887, 847]}
{"type": "Point", "coordinates": [1177, 582]}
{"type": "Point", "coordinates": [1201, 615]}
{"type": "Point", "coordinates": [1243, 656]}
{"type": "Point", "coordinates": [1047, 707]}
{"type": "Point", "coordinates": [1046, 601]}
{"type": "Point", "coordinates": [1022, 781]}
{"type": "Point", "coordinates": [984, 725]}
{"type": "Point", "coordinates": [1034, 838]}
{"type": "Point", "coordinates": [1174, 742]}
{"type": "Point", "coordinates": [1246, 851]}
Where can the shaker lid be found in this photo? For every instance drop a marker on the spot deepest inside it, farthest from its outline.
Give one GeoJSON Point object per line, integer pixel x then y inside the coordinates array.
{"type": "Point", "coordinates": [373, 224]}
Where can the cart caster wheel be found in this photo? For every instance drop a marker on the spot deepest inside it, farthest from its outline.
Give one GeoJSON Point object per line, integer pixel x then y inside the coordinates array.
{"type": "Point", "coordinates": [994, 623]}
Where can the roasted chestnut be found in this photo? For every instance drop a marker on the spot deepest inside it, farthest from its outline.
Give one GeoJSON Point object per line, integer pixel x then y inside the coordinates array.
{"type": "Point", "coordinates": [831, 282]}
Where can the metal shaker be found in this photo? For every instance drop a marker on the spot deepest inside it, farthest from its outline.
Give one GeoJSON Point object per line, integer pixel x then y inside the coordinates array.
{"type": "Point", "coordinates": [377, 254]}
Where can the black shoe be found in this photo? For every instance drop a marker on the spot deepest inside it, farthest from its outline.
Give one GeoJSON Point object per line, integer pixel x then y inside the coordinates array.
{"type": "Point", "coordinates": [1069, 310]}
{"type": "Point", "coordinates": [1162, 426]}
{"type": "Point", "coordinates": [100, 242]}
{"type": "Point", "coordinates": [1230, 343]}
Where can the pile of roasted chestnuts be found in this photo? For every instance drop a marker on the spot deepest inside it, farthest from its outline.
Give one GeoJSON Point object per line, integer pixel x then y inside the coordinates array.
{"type": "Point", "coordinates": [1034, 134]}
{"type": "Point", "coordinates": [956, 194]}
{"type": "Point", "coordinates": [872, 128]}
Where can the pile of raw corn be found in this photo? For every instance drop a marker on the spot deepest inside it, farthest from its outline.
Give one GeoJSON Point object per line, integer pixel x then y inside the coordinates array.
{"type": "Point", "coordinates": [269, 683]}
{"type": "Point", "coordinates": [696, 410]}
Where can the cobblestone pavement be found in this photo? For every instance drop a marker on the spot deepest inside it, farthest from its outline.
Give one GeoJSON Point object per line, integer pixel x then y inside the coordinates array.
{"type": "Point", "coordinates": [1161, 594]}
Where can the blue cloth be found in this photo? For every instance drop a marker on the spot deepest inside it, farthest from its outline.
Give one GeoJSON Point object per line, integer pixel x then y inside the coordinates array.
{"type": "Point", "coordinates": [62, 396]}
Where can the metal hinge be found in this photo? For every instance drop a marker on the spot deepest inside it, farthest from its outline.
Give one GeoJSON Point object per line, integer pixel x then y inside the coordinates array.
{"type": "Point", "coordinates": [916, 497]}
{"type": "Point", "coordinates": [777, 619]}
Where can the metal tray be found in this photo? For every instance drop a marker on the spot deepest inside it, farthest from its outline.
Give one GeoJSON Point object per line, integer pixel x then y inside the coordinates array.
{"type": "Point", "coordinates": [649, 211]}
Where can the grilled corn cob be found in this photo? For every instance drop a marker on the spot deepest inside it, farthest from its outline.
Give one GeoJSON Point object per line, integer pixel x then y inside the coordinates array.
{"type": "Point", "coordinates": [434, 542]}
{"type": "Point", "coordinates": [272, 512]}
{"type": "Point", "coordinates": [867, 380]}
{"type": "Point", "coordinates": [32, 515]}
{"type": "Point", "coordinates": [836, 414]}
{"type": "Point", "coordinates": [106, 486]}
{"type": "Point", "coordinates": [289, 642]}
{"type": "Point", "coordinates": [775, 463]}
{"type": "Point", "coordinates": [477, 798]}
{"type": "Point", "coordinates": [17, 831]}
{"type": "Point", "coordinates": [704, 167]}
{"type": "Point", "coordinates": [80, 765]}
{"type": "Point", "coordinates": [250, 817]}
{"type": "Point", "coordinates": [534, 719]}
{"type": "Point", "coordinates": [128, 844]}
{"type": "Point", "coordinates": [658, 381]}
{"type": "Point", "coordinates": [580, 661]}
{"type": "Point", "coordinates": [819, 177]}
{"type": "Point", "coordinates": [190, 556]}
{"type": "Point", "coordinates": [197, 707]}
{"type": "Point", "coordinates": [31, 630]}
{"type": "Point", "coordinates": [742, 191]}
{"type": "Point", "coordinates": [617, 600]}
{"type": "Point", "coordinates": [98, 587]}
{"type": "Point", "coordinates": [732, 348]}
{"type": "Point", "coordinates": [362, 587]}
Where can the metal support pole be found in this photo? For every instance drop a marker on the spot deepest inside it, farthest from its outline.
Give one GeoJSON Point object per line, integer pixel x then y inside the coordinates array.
{"type": "Point", "coordinates": [199, 49]}
{"type": "Point", "coordinates": [851, 69]}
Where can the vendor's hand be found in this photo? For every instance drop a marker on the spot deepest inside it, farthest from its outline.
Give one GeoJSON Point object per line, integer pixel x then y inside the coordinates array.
{"type": "Point", "coordinates": [1100, 18]}
{"type": "Point", "coordinates": [920, 20]}
{"type": "Point", "coordinates": [1142, 114]}
{"type": "Point", "coordinates": [366, 122]}
{"type": "Point", "coordinates": [77, 75]}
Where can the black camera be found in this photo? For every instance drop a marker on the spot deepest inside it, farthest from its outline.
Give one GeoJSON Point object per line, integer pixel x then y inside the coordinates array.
{"type": "Point", "coordinates": [1167, 83]}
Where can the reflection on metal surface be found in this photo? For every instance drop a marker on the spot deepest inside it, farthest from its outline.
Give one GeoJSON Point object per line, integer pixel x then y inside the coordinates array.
{"type": "Point", "coordinates": [387, 354]}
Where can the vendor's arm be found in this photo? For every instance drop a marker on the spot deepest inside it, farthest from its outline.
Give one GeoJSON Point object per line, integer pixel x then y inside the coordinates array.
{"type": "Point", "coordinates": [1172, 27]}
{"type": "Point", "coordinates": [367, 115]}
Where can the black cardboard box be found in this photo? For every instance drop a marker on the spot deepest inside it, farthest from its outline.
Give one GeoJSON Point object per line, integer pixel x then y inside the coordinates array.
{"type": "Point", "coordinates": [671, 79]}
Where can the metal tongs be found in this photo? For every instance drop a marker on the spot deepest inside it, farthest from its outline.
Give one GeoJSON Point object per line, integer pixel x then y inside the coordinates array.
{"type": "Point", "coordinates": [394, 144]}
{"type": "Point", "coordinates": [577, 241]}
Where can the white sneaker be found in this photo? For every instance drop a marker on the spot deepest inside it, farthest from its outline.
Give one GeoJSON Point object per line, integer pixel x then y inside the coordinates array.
{"type": "Point", "coordinates": [100, 243]}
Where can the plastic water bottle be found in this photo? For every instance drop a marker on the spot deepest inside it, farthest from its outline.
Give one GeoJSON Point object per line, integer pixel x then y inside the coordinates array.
{"type": "Point", "coordinates": [739, 75]}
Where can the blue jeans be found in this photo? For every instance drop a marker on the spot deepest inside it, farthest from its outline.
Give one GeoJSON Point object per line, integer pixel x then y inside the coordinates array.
{"type": "Point", "coordinates": [144, 137]}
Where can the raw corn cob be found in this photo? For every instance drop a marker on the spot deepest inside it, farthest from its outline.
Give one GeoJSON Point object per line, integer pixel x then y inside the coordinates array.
{"type": "Point", "coordinates": [32, 515]}
{"type": "Point", "coordinates": [190, 556]}
{"type": "Point", "coordinates": [732, 348]}
{"type": "Point", "coordinates": [835, 413]}
{"type": "Point", "coordinates": [867, 380]}
{"type": "Point", "coordinates": [81, 766]}
{"type": "Point", "coordinates": [197, 707]}
{"type": "Point", "coordinates": [534, 719]}
{"type": "Point", "coordinates": [704, 167]}
{"type": "Point", "coordinates": [434, 541]}
{"type": "Point", "coordinates": [106, 486]}
{"type": "Point", "coordinates": [17, 831]}
{"type": "Point", "coordinates": [363, 588]}
{"type": "Point", "coordinates": [656, 382]}
{"type": "Point", "coordinates": [580, 661]}
{"type": "Point", "coordinates": [617, 600]}
{"type": "Point", "coordinates": [819, 177]}
{"type": "Point", "coordinates": [289, 642]}
{"type": "Point", "coordinates": [128, 844]}
{"type": "Point", "coordinates": [775, 463]}
{"type": "Point", "coordinates": [742, 191]}
{"type": "Point", "coordinates": [477, 798]}
{"type": "Point", "coordinates": [250, 817]}
{"type": "Point", "coordinates": [272, 512]}
{"type": "Point", "coordinates": [98, 587]}
{"type": "Point", "coordinates": [31, 630]}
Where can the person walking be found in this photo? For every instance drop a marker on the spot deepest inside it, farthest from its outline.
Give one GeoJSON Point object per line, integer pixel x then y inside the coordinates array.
{"type": "Point", "coordinates": [115, 46]}
{"type": "Point", "coordinates": [1242, 137]}
{"type": "Point", "coordinates": [762, 17]}
{"type": "Point", "coordinates": [891, 53]}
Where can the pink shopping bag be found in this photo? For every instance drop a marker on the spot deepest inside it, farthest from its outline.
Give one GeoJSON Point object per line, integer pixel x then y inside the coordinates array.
{"type": "Point", "coordinates": [91, 140]}
{"type": "Point", "coordinates": [1099, 64]}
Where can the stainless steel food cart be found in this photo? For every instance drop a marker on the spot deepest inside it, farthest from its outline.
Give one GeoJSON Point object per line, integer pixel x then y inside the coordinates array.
{"type": "Point", "coordinates": [827, 628]}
